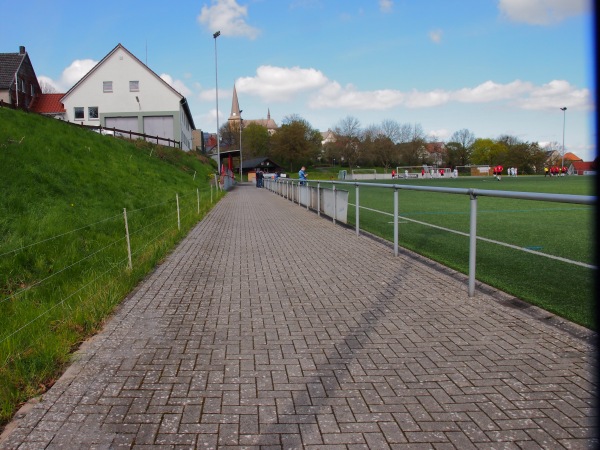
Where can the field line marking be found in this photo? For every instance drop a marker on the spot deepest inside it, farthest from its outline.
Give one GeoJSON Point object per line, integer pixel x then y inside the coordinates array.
{"type": "Point", "coordinates": [492, 241]}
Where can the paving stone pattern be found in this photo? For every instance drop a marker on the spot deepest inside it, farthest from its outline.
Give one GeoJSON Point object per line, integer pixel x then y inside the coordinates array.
{"type": "Point", "coordinates": [271, 328]}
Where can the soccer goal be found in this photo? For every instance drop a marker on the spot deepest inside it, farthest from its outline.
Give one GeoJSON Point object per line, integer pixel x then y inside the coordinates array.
{"type": "Point", "coordinates": [364, 174]}
{"type": "Point", "coordinates": [483, 170]}
{"type": "Point", "coordinates": [408, 171]}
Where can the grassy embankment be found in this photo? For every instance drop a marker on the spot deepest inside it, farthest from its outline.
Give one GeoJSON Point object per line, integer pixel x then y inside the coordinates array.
{"type": "Point", "coordinates": [63, 250]}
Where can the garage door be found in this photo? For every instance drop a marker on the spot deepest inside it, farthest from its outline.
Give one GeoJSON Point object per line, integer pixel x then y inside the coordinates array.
{"type": "Point", "coordinates": [161, 126]}
{"type": "Point", "coordinates": [122, 123]}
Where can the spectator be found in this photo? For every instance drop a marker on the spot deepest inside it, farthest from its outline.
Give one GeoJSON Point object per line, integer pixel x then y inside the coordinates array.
{"type": "Point", "coordinates": [302, 176]}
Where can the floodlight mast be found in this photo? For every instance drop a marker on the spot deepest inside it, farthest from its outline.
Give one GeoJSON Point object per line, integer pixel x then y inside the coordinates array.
{"type": "Point", "coordinates": [215, 36]}
{"type": "Point", "coordinates": [562, 164]}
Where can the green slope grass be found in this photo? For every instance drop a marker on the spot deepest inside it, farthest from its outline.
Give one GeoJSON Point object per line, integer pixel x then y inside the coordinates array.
{"type": "Point", "coordinates": [63, 251]}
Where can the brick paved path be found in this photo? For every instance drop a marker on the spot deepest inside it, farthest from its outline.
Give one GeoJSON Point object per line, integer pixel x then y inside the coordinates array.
{"type": "Point", "coordinates": [271, 328]}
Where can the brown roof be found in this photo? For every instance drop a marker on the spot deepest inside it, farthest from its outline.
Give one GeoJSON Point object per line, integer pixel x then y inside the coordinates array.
{"type": "Point", "coordinates": [48, 104]}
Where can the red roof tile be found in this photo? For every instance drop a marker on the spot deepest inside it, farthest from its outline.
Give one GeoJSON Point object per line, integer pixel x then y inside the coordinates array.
{"type": "Point", "coordinates": [48, 104]}
{"type": "Point", "coordinates": [572, 157]}
{"type": "Point", "coordinates": [581, 166]}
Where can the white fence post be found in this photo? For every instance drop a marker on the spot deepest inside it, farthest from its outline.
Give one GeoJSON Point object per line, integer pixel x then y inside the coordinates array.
{"type": "Point", "coordinates": [198, 197]}
{"type": "Point", "coordinates": [178, 220]}
{"type": "Point", "coordinates": [129, 265]}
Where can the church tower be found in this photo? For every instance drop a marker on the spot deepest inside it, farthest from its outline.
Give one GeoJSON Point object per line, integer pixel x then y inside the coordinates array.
{"type": "Point", "coordinates": [236, 114]}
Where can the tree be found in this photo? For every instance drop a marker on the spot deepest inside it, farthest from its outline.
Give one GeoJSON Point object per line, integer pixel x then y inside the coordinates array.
{"type": "Point", "coordinates": [347, 139]}
{"type": "Point", "coordinates": [537, 159]}
{"type": "Point", "coordinates": [229, 135]}
{"type": "Point", "coordinates": [46, 87]}
{"type": "Point", "coordinates": [376, 148]}
{"type": "Point", "coordinates": [460, 147]}
{"type": "Point", "coordinates": [485, 151]}
{"type": "Point", "coordinates": [412, 145]}
{"type": "Point", "coordinates": [255, 141]}
{"type": "Point", "coordinates": [295, 143]}
{"type": "Point", "coordinates": [392, 130]}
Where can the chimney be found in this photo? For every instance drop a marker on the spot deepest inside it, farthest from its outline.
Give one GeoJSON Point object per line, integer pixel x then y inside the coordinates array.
{"type": "Point", "coordinates": [21, 50]}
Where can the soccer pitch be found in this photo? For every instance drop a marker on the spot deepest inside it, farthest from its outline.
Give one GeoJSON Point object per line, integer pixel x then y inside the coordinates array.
{"type": "Point", "coordinates": [564, 285]}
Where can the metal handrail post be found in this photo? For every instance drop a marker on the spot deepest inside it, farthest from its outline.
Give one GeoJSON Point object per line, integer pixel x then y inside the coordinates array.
{"type": "Point", "coordinates": [308, 197]}
{"type": "Point", "coordinates": [472, 244]}
{"type": "Point", "coordinates": [357, 213]}
{"type": "Point", "coordinates": [395, 222]}
{"type": "Point", "coordinates": [334, 204]}
{"type": "Point", "coordinates": [319, 199]}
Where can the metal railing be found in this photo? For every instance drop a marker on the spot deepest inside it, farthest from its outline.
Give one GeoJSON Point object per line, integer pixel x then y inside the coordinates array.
{"type": "Point", "coordinates": [291, 189]}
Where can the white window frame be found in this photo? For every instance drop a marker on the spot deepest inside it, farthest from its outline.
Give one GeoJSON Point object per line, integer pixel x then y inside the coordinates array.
{"type": "Point", "coordinates": [134, 86]}
{"type": "Point", "coordinates": [107, 87]}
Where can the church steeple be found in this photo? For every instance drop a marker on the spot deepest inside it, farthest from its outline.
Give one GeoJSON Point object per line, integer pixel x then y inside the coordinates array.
{"type": "Point", "coordinates": [235, 106]}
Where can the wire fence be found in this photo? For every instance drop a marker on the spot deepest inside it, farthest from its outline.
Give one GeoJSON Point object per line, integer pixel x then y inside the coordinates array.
{"type": "Point", "coordinates": [65, 284]}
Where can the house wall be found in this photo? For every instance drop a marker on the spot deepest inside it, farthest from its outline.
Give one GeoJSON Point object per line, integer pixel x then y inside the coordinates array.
{"type": "Point", "coordinates": [154, 98]}
{"type": "Point", "coordinates": [29, 87]}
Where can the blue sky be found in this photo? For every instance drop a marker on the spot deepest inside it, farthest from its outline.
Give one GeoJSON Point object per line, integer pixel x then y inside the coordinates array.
{"type": "Point", "coordinates": [493, 67]}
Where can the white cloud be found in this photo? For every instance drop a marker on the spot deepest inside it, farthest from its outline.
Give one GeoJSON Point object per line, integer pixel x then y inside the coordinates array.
{"type": "Point", "coordinates": [386, 6]}
{"type": "Point", "coordinates": [280, 83]}
{"type": "Point", "coordinates": [490, 91]}
{"type": "Point", "coordinates": [542, 12]}
{"type": "Point", "coordinates": [440, 135]}
{"type": "Point", "coordinates": [71, 75]}
{"type": "Point", "coordinates": [42, 79]}
{"type": "Point", "coordinates": [178, 85]}
{"type": "Point", "coordinates": [436, 36]}
{"type": "Point", "coordinates": [333, 95]}
{"type": "Point", "coordinates": [416, 99]}
{"type": "Point", "coordinates": [208, 95]}
{"type": "Point", "coordinates": [227, 17]}
{"type": "Point", "coordinates": [555, 94]}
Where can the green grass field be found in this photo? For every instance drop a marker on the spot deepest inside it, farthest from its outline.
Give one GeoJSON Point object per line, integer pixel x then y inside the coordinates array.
{"type": "Point", "coordinates": [558, 229]}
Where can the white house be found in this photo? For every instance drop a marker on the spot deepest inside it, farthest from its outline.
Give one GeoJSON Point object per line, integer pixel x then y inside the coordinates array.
{"type": "Point", "coordinates": [122, 92]}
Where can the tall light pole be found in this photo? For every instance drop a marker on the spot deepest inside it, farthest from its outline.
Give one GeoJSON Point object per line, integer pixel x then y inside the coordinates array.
{"type": "Point", "coordinates": [215, 36]}
{"type": "Point", "coordinates": [562, 164]}
{"type": "Point", "coordinates": [241, 126]}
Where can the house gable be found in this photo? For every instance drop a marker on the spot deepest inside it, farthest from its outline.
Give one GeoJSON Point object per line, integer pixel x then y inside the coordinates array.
{"type": "Point", "coordinates": [119, 68]}
{"type": "Point", "coordinates": [122, 92]}
{"type": "Point", "coordinates": [19, 85]}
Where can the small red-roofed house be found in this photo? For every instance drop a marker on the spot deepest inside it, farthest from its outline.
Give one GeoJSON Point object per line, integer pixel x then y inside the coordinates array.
{"type": "Point", "coordinates": [50, 105]}
{"type": "Point", "coordinates": [583, 168]}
